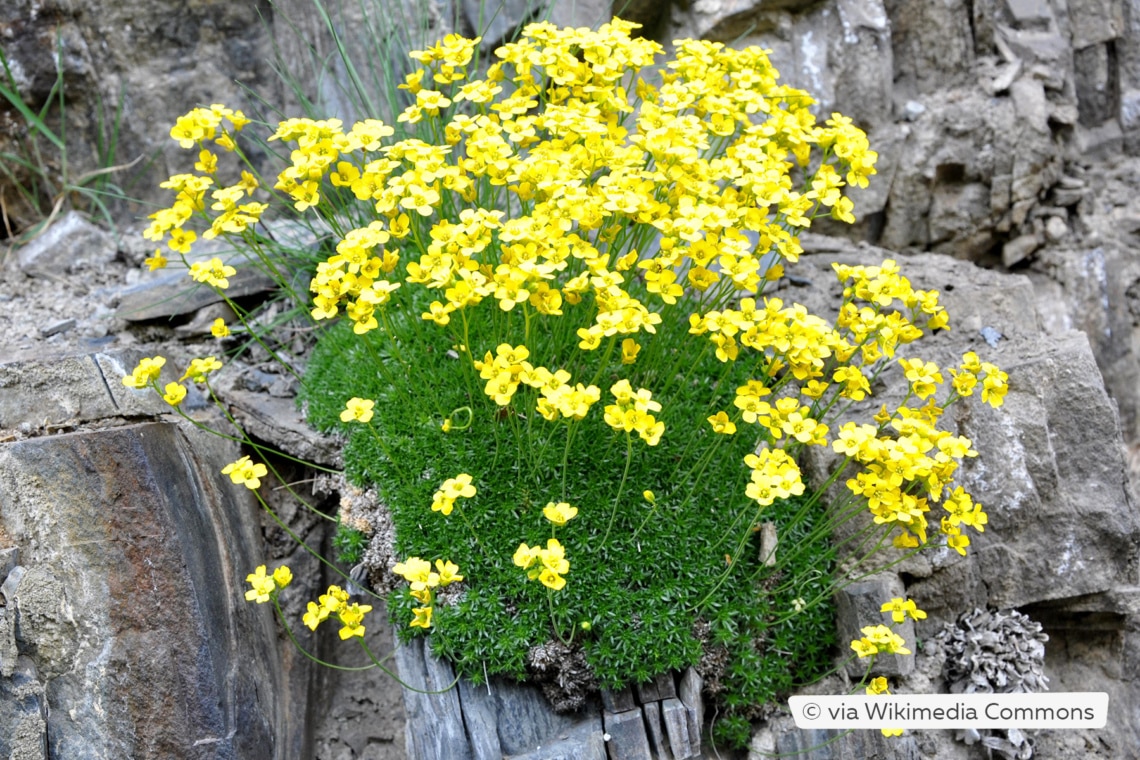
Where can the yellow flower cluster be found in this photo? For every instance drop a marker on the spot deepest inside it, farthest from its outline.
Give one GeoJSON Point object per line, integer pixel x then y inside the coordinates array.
{"type": "Point", "coordinates": [200, 368]}
{"type": "Point", "coordinates": [423, 579]}
{"type": "Point", "coordinates": [265, 587]}
{"type": "Point", "coordinates": [876, 687]}
{"type": "Point", "coordinates": [591, 209]}
{"type": "Point", "coordinates": [148, 370]}
{"type": "Point", "coordinates": [191, 130]}
{"type": "Point", "coordinates": [995, 383]}
{"type": "Point", "coordinates": [559, 142]}
{"type": "Point", "coordinates": [907, 469]}
{"type": "Point", "coordinates": [245, 472]}
{"type": "Point", "coordinates": [145, 373]}
{"type": "Point", "coordinates": [335, 602]}
{"type": "Point", "coordinates": [879, 639]}
{"type": "Point", "coordinates": [547, 565]}
{"type": "Point", "coordinates": [901, 609]}
{"type": "Point", "coordinates": [632, 412]}
{"type": "Point", "coordinates": [452, 489]}
{"type": "Point", "coordinates": [509, 368]}
{"type": "Point", "coordinates": [775, 475]}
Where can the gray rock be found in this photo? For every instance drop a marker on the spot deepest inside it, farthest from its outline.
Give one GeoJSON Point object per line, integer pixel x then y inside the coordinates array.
{"type": "Point", "coordinates": [435, 722]}
{"type": "Point", "coordinates": [858, 605]}
{"type": "Point", "coordinates": [131, 608]}
{"type": "Point", "coordinates": [658, 740]}
{"type": "Point", "coordinates": [9, 559]}
{"type": "Point", "coordinates": [175, 294]}
{"type": "Point", "coordinates": [9, 653]}
{"type": "Point", "coordinates": [498, 21]}
{"type": "Point", "coordinates": [1029, 12]}
{"type": "Point", "coordinates": [23, 711]}
{"type": "Point", "coordinates": [55, 328]}
{"type": "Point", "coordinates": [690, 695]}
{"type": "Point", "coordinates": [1095, 78]}
{"type": "Point", "coordinates": [821, 744]}
{"type": "Point", "coordinates": [676, 719]}
{"type": "Point", "coordinates": [1056, 229]}
{"type": "Point", "coordinates": [487, 721]}
{"type": "Point", "coordinates": [628, 739]}
{"type": "Point", "coordinates": [1094, 21]}
{"type": "Point", "coordinates": [74, 389]}
{"type": "Point", "coordinates": [70, 244]}
{"type": "Point", "coordinates": [1017, 250]}
{"type": "Point", "coordinates": [588, 13]}
{"type": "Point", "coordinates": [584, 741]}
{"type": "Point", "coordinates": [661, 687]}
{"type": "Point", "coordinates": [277, 421]}
{"type": "Point", "coordinates": [618, 701]}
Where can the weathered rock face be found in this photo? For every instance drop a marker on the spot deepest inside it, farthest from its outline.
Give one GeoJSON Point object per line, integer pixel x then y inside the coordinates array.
{"type": "Point", "coordinates": [1063, 537]}
{"type": "Point", "coordinates": [973, 106]}
{"type": "Point", "coordinates": [123, 630]}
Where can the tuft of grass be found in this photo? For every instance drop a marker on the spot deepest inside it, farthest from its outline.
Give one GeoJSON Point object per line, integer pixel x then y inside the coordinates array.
{"type": "Point", "coordinates": [40, 169]}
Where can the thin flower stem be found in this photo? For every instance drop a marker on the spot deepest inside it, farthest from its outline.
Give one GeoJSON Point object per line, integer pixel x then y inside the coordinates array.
{"type": "Point", "coordinates": [621, 486]}
{"type": "Point", "coordinates": [396, 678]}
{"type": "Point", "coordinates": [315, 554]}
{"type": "Point", "coordinates": [554, 618]}
{"type": "Point", "coordinates": [302, 650]}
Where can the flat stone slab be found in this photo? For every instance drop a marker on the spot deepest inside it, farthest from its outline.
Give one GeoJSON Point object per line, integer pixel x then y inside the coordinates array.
{"type": "Point", "coordinates": [493, 721]}
{"type": "Point", "coordinates": [75, 389]}
{"type": "Point", "coordinates": [176, 294]}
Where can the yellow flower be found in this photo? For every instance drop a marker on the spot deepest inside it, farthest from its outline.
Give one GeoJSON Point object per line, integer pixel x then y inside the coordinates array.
{"type": "Point", "coordinates": [878, 686]}
{"type": "Point", "coordinates": [444, 499]}
{"type": "Point", "coordinates": [282, 576]}
{"type": "Point", "coordinates": [243, 471]}
{"type": "Point", "coordinates": [422, 619]}
{"type": "Point", "coordinates": [878, 639]}
{"type": "Point", "coordinates": [994, 385]}
{"type": "Point", "coordinates": [199, 368]}
{"type": "Point", "coordinates": [315, 615]}
{"type": "Point", "coordinates": [219, 329]}
{"type": "Point", "coordinates": [629, 351]}
{"type": "Point", "coordinates": [722, 424]}
{"type": "Point", "coordinates": [213, 272]}
{"type": "Point", "coordinates": [263, 586]}
{"type": "Point", "coordinates": [358, 409]}
{"type": "Point", "coordinates": [174, 394]}
{"type": "Point", "coordinates": [157, 261]}
{"type": "Point", "coordinates": [352, 619]}
{"type": "Point", "coordinates": [418, 573]}
{"type": "Point", "coordinates": [448, 572]}
{"type": "Point", "coordinates": [901, 608]}
{"type": "Point", "coordinates": [145, 373]}
{"type": "Point", "coordinates": [560, 513]}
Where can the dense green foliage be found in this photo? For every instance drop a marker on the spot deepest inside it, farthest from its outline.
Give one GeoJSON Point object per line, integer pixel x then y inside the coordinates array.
{"type": "Point", "coordinates": [660, 572]}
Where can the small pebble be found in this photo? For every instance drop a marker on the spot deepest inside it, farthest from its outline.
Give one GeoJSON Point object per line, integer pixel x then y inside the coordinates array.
{"type": "Point", "coordinates": [56, 328]}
